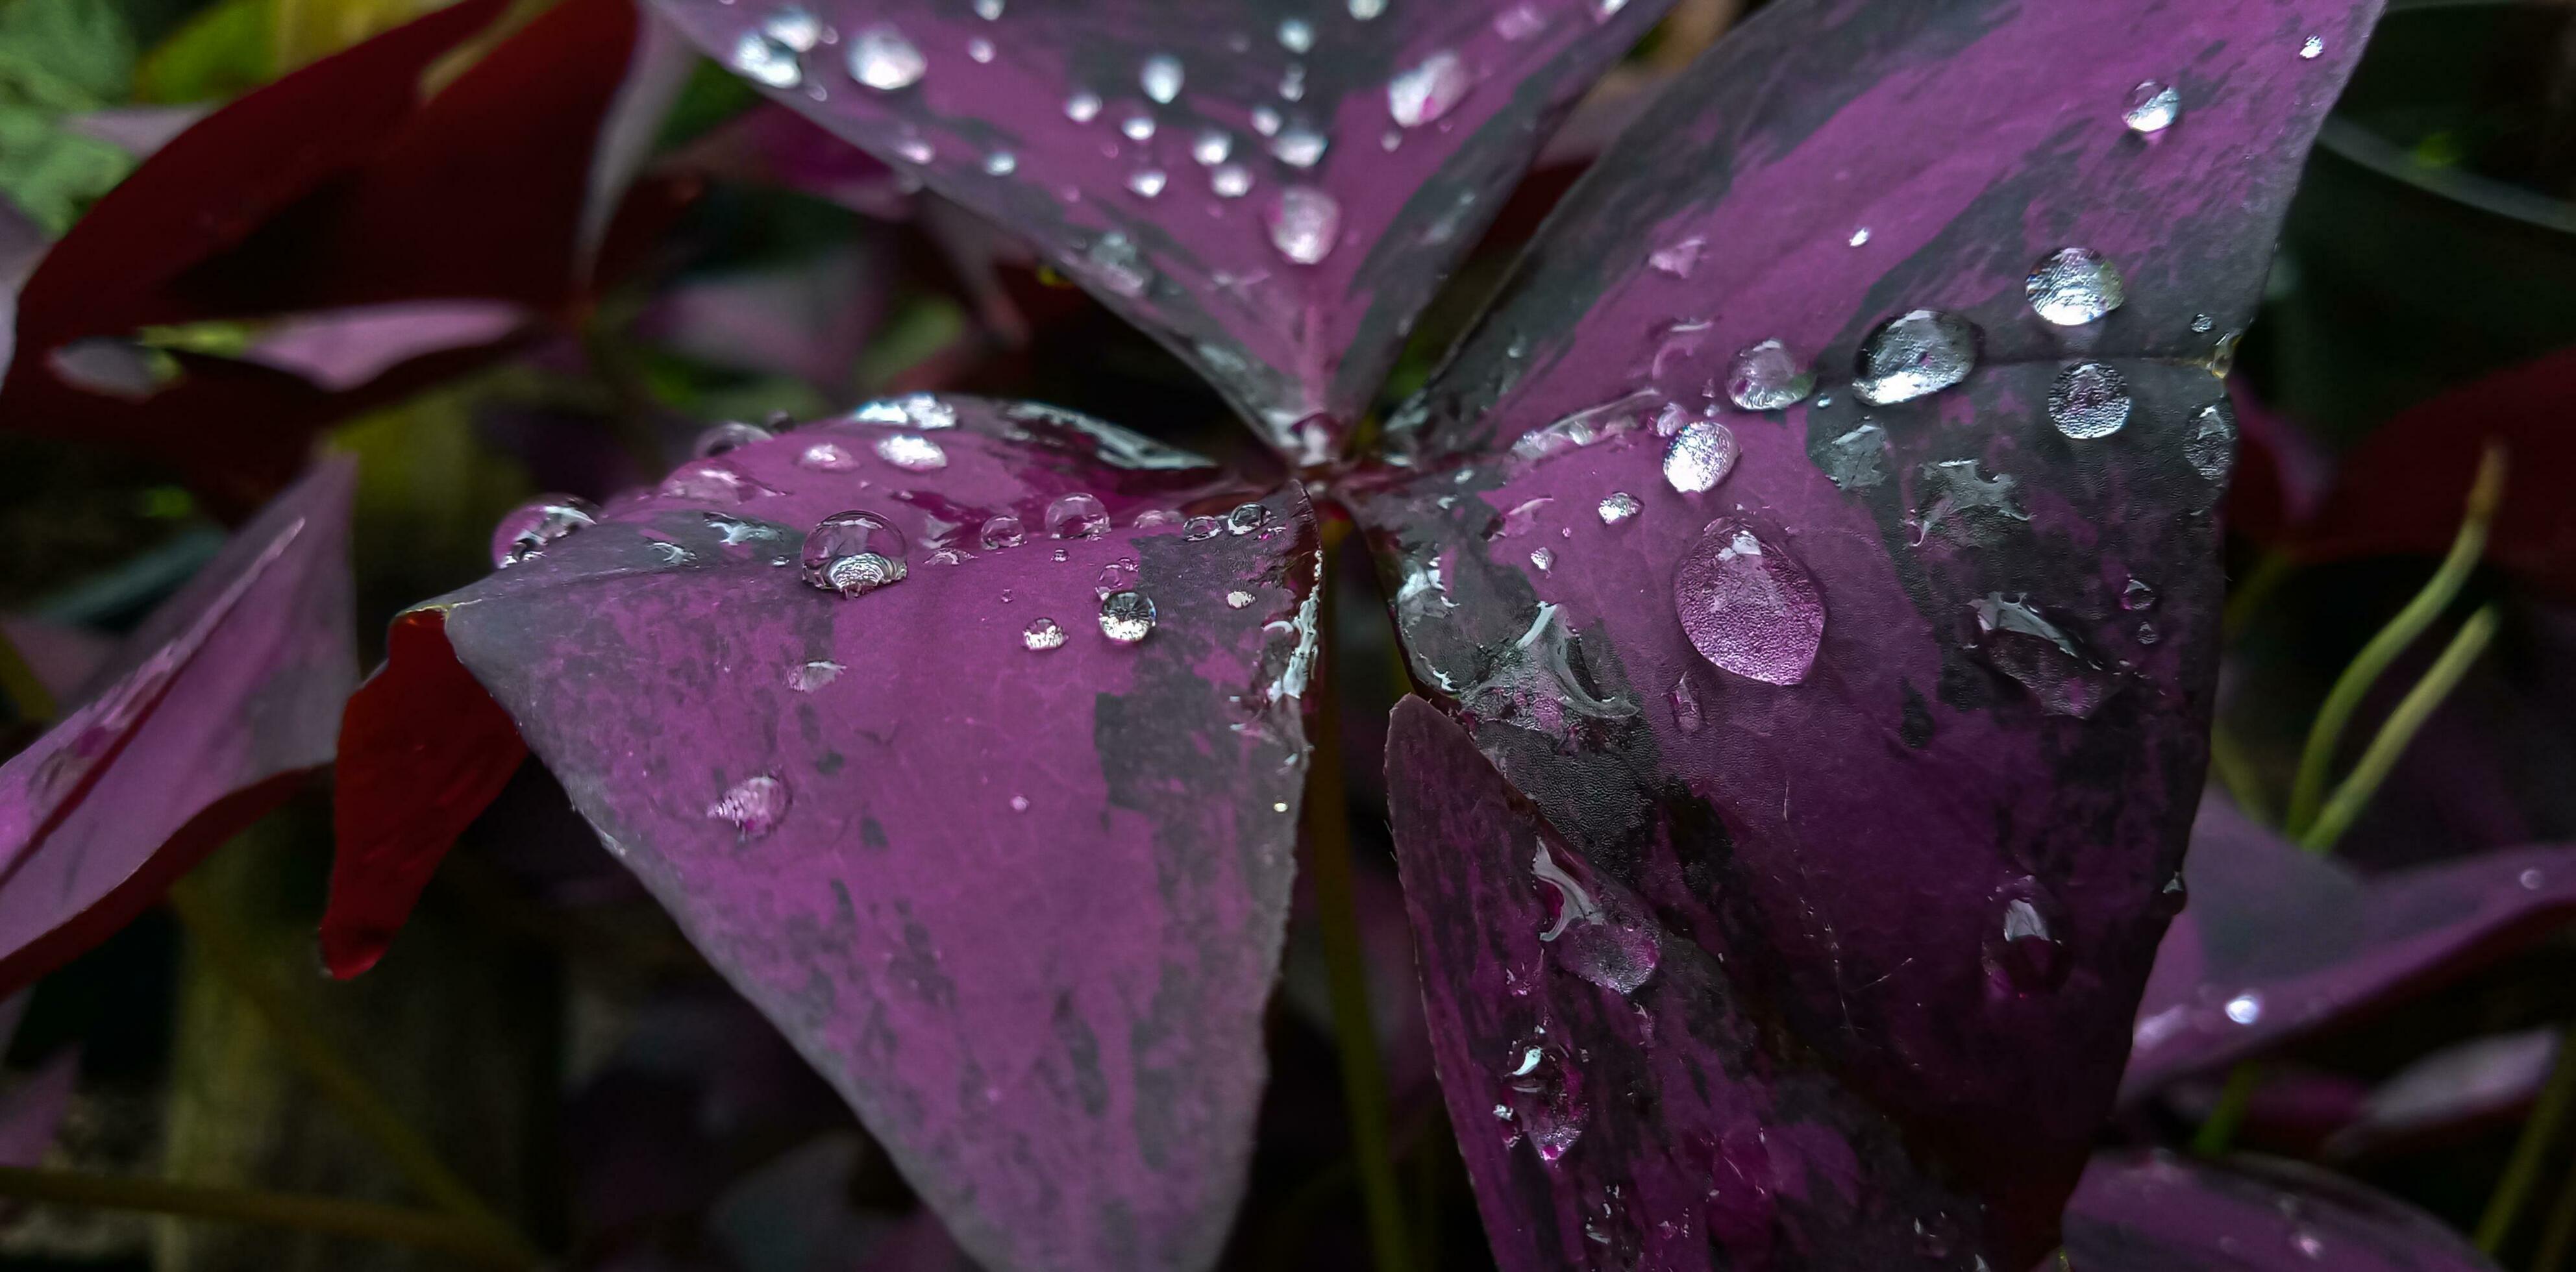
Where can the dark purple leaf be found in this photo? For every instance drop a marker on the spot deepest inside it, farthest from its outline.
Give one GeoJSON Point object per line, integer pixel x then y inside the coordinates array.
{"type": "Point", "coordinates": [32, 1110]}
{"type": "Point", "coordinates": [1902, 717]}
{"type": "Point", "coordinates": [2156, 1212]}
{"type": "Point", "coordinates": [2465, 1086]}
{"type": "Point", "coordinates": [1014, 888]}
{"type": "Point", "coordinates": [772, 145]}
{"type": "Point", "coordinates": [2279, 943]}
{"type": "Point", "coordinates": [340, 350]}
{"type": "Point", "coordinates": [218, 706]}
{"type": "Point", "coordinates": [137, 130]}
{"type": "Point", "coordinates": [22, 244]}
{"type": "Point", "coordinates": [1272, 190]}
{"type": "Point", "coordinates": [808, 318]}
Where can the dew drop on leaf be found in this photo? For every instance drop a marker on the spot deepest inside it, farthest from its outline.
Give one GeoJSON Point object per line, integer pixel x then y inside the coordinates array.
{"type": "Point", "coordinates": [1914, 355]}
{"type": "Point", "coordinates": [1298, 147]}
{"type": "Point", "coordinates": [2073, 286]}
{"type": "Point", "coordinates": [532, 527]}
{"type": "Point", "coordinates": [1138, 127]}
{"type": "Point", "coordinates": [854, 553]}
{"type": "Point", "coordinates": [1700, 456]}
{"type": "Point", "coordinates": [753, 806]}
{"type": "Point", "coordinates": [2019, 641]}
{"type": "Point", "coordinates": [1076, 516]}
{"type": "Point", "coordinates": [2313, 47]}
{"type": "Point", "coordinates": [1230, 181]}
{"type": "Point", "coordinates": [2245, 1008]}
{"type": "Point", "coordinates": [1147, 183]}
{"type": "Point", "coordinates": [730, 435]}
{"type": "Point", "coordinates": [1126, 617]}
{"type": "Point", "coordinates": [1161, 78]}
{"type": "Point", "coordinates": [911, 452]}
{"type": "Point", "coordinates": [1618, 507]}
{"type": "Point", "coordinates": [1544, 1098]}
{"type": "Point", "coordinates": [1001, 163]}
{"type": "Point", "coordinates": [1303, 224]}
{"type": "Point", "coordinates": [1857, 459]}
{"type": "Point", "coordinates": [1296, 35]}
{"type": "Point", "coordinates": [2211, 447]}
{"type": "Point", "coordinates": [1766, 378]}
{"type": "Point", "coordinates": [1201, 529]}
{"type": "Point", "coordinates": [2025, 952]}
{"type": "Point", "coordinates": [762, 58]}
{"type": "Point", "coordinates": [827, 457]}
{"type": "Point", "coordinates": [1747, 607]}
{"type": "Point", "coordinates": [1237, 599]}
{"type": "Point", "coordinates": [2090, 401]}
{"type": "Point", "coordinates": [1082, 107]}
{"type": "Point", "coordinates": [1678, 259]}
{"type": "Point", "coordinates": [2138, 595]}
{"type": "Point", "coordinates": [1428, 91]}
{"type": "Point", "coordinates": [1212, 147]}
{"type": "Point", "coordinates": [2153, 108]}
{"type": "Point", "coordinates": [1042, 634]}
{"type": "Point", "coordinates": [1686, 710]}
{"type": "Point", "coordinates": [1002, 531]}
{"type": "Point", "coordinates": [1364, 10]}
{"type": "Point", "coordinates": [807, 677]}
{"type": "Point", "coordinates": [883, 59]}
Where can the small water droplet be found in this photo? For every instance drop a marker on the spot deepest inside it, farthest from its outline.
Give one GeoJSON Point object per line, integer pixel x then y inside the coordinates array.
{"type": "Point", "coordinates": [1428, 91]}
{"type": "Point", "coordinates": [1700, 456]}
{"type": "Point", "coordinates": [2153, 108]}
{"type": "Point", "coordinates": [1042, 634]}
{"type": "Point", "coordinates": [1544, 1096]}
{"type": "Point", "coordinates": [2313, 47]}
{"type": "Point", "coordinates": [1212, 147]}
{"type": "Point", "coordinates": [1161, 77]}
{"type": "Point", "coordinates": [535, 525]}
{"type": "Point", "coordinates": [762, 57]}
{"type": "Point", "coordinates": [827, 457]}
{"type": "Point", "coordinates": [2530, 880]}
{"type": "Point", "coordinates": [911, 452]}
{"type": "Point", "coordinates": [2073, 286]}
{"type": "Point", "coordinates": [1002, 531]}
{"type": "Point", "coordinates": [730, 435]}
{"type": "Point", "coordinates": [1126, 617]}
{"type": "Point", "coordinates": [854, 553]}
{"type": "Point", "coordinates": [1544, 559]}
{"type": "Point", "coordinates": [1915, 355]}
{"type": "Point", "coordinates": [2024, 951]}
{"type": "Point", "coordinates": [2090, 401]}
{"type": "Point", "coordinates": [1115, 260]}
{"type": "Point", "coordinates": [1237, 599]}
{"type": "Point", "coordinates": [1001, 163]}
{"type": "Point", "coordinates": [2146, 634]}
{"type": "Point", "coordinates": [1860, 237]}
{"type": "Point", "coordinates": [1138, 127]}
{"type": "Point", "coordinates": [2202, 324]}
{"type": "Point", "coordinates": [753, 806]}
{"type": "Point", "coordinates": [1146, 182]}
{"type": "Point", "coordinates": [1303, 224]}
{"type": "Point", "coordinates": [1766, 378]}
{"type": "Point", "coordinates": [882, 59]}
{"type": "Point", "coordinates": [710, 481]}
{"type": "Point", "coordinates": [1678, 259]}
{"type": "Point", "coordinates": [1076, 516]}
{"type": "Point", "coordinates": [989, 10]}
{"type": "Point", "coordinates": [915, 150]}
{"type": "Point", "coordinates": [2211, 448]}
{"type": "Point", "coordinates": [2138, 595]}
{"type": "Point", "coordinates": [1364, 10]}
{"type": "Point", "coordinates": [807, 677]}
{"type": "Point", "coordinates": [2172, 897]}
{"type": "Point", "coordinates": [1747, 607]}
{"type": "Point", "coordinates": [2019, 641]}
{"type": "Point", "coordinates": [1082, 107]}
{"type": "Point", "coordinates": [1296, 35]}
{"type": "Point", "coordinates": [1246, 518]}
{"type": "Point", "coordinates": [1686, 712]}
{"type": "Point", "coordinates": [1617, 507]}
{"type": "Point", "coordinates": [1230, 181]}
{"type": "Point", "coordinates": [2245, 1008]}
{"type": "Point", "coordinates": [1298, 147]}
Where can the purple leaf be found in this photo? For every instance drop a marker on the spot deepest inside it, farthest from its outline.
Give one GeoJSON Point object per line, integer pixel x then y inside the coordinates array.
{"type": "Point", "coordinates": [2156, 1212]}
{"type": "Point", "coordinates": [1897, 710]}
{"type": "Point", "coordinates": [772, 145]}
{"type": "Point", "coordinates": [2474, 1084]}
{"type": "Point", "coordinates": [340, 350]}
{"type": "Point", "coordinates": [22, 244]}
{"type": "Point", "coordinates": [1273, 191]}
{"type": "Point", "coordinates": [2279, 943]}
{"type": "Point", "coordinates": [63, 658]}
{"type": "Point", "coordinates": [215, 709]}
{"type": "Point", "coordinates": [137, 130]}
{"type": "Point", "coordinates": [1007, 859]}
{"type": "Point", "coordinates": [657, 69]}
{"type": "Point", "coordinates": [809, 318]}
{"type": "Point", "coordinates": [32, 1111]}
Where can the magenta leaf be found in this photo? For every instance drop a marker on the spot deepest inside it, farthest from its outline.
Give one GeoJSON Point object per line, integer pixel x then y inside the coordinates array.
{"type": "Point", "coordinates": [2156, 1212]}
{"type": "Point", "coordinates": [1889, 692]}
{"type": "Point", "coordinates": [963, 738]}
{"type": "Point", "coordinates": [2278, 943]}
{"type": "Point", "coordinates": [2460, 1089]}
{"type": "Point", "coordinates": [1271, 190]}
{"type": "Point", "coordinates": [224, 700]}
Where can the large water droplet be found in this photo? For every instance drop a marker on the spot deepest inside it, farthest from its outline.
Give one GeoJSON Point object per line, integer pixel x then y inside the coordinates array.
{"type": "Point", "coordinates": [1599, 932]}
{"type": "Point", "coordinates": [2245, 1008]}
{"type": "Point", "coordinates": [761, 57]}
{"type": "Point", "coordinates": [2089, 401]}
{"type": "Point", "coordinates": [1700, 456]}
{"type": "Point", "coordinates": [1041, 635]}
{"type": "Point", "coordinates": [1298, 147]}
{"type": "Point", "coordinates": [1427, 92]}
{"type": "Point", "coordinates": [1246, 518]}
{"type": "Point", "coordinates": [535, 525]}
{"type": "Point", "coordinates": [1002, 531]}
{"type": "Point", "coordinates": [2073, 286]}
{"type": "Point", "coordinates": [1542, 1098]}
{"type": "Point", "coordinates": [1230, 181]}
{"type": "Point", "coordinates": [2025, 951]}
{"type": "Point", "coordinates": [1748, 608]}
{"type": "Point", "coordinates": [709, 481]}
{"type": "Point", "coordinates": [730, 435]}
{"type": "Point", "coordinates": [1212, 147]}
{"type": "Point", "coordinates": [1617, 507]}
{"type": "Point", "coordinates": [1303, 224]}
{"type": "Point", "coordinates": [854, 553]}
{"type": "Point", "coordinates": [1126, 617]}
{"type": "Point", "coordinates": [1161, 78]}
{"type": "Point", "coordinates": [1296, 35]}
{"type": "Point", "coordinates": [882, 59]}
{"type": "Point", "coordinates": [911, 452]}
{"type": "Point", "coordinates": [1077, 516]}
{"type": "Point", "coordinates": [1082, 107]}
{"type": "Point", "coordinates": [754, 806]}
{"type": "Point", "coordinates": [1915, 355]}
{"type": "Point", "coordinates": [1766, 378]}
{"type": "Point", "coordinates": [2019, 641]}
{"type": "Point", "coordinates": [1147, 183]}
{"type": "Point", "coordinates": [2211, 447]}
{"type": "Point", "coordinates": [2153, 108]}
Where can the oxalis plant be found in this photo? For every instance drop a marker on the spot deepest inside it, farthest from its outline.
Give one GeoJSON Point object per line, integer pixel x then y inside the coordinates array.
{"type": "Point", "coordinates": [1806, 569]}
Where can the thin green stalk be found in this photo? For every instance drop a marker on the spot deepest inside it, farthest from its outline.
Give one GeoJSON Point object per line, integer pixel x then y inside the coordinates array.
{"type": "Point", "coordinates": [2218, 1130]}
{"type": "Point", "coordinates": [2560, 1232]}
{"type": "Point", "coordinates": [228, 954]}
{"type": "Point", "coordinates": [2308, 790]}
{"type": "Point", "coordinates": [2522, 1171]}
{"type": "Point", "coordinates": [329, 1215]}
{"type": "Point", "coordinates": [2412, 711]}
{"type": "Point", "coordinates": [25, 693]}
{"type": "Point", "coordinates": [1328, 836]}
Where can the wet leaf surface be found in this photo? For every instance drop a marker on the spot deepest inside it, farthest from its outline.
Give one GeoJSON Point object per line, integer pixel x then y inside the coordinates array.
{"type": "Point", "coordinates": [2156, 1212]}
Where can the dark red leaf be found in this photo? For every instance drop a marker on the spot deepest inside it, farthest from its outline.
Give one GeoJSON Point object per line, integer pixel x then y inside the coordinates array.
{"type": "Point", "coordinates": [2156, 1212]}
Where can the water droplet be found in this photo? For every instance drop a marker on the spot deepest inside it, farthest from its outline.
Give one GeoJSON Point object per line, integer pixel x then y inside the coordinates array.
{"type": "Point", "coordinates": [1700, 456]}
{"type": "Point", "coordinates": [1367, 9]}
{"type": "Point", "coordinates": [989, 10]}
{"type": "Point", "coordinates": [1002, 531]}
{"type": "Point", "coordinates": [2245, 1008]}
{"type": "Point", "coordinates": [1544, 559]}
{"type": "Point", "coordinates": [1686, 713]}
{"type": "Point", "coordinates": [1246, 518]}
{"type": "Point", "coordinates": [2019, 641]}
{"type": "Point", "coordinates": [2153, 108]}
{"type": "Point", "coordinates": [809, 676]}
{"type": "Point", "coordinates": [2073, 286]}
{"type": "Point", "coordinates": [709, 481]}
{"type": "Point", "coordinates": [920, 410]}
{"type": "Point", "coordinates": [915, 150]}
{"type": "Point", "coordinates": [2024, 953]}
{"type": "Point", "coordinates": [1146, 182]}
{"type": "Point", "coordinates": [1618, 506]}
{"type": "Point", "coordinates": [1298, 146]}
{"type": "Point", "coordinates": [1082, 107]}
{"type": "Point", "coordinates": [1428, 91]}
{"type": "Point", "coordinates": [1766, 378]}
{"type": "Point", "coordinates": [1001, 163]}
{"type": "Point", "coordinates": [854, 553]}
{"type": "Point", "coordinates": [911, 452]}
{"type": "Point", "coordinates": [1544, 1096]}
{"type": "Point", "coordinates": [1860, 237]}
{"type": "Point", "coordinates": [1126, 617]}
{"type": "Point", "coordinates": [1212, 147]}
{"type": "Point", "coordinates": [2530, 880]}
{"type": "Point", "coordinates": [1237, 599]}
{"type": "Point", "coordinates": [1042, 634]}
{"type": "Point", "coordinates": [1114, 259]}
{"type": "Point", "coordinates": [1748, 608]}
{"type": "Point", "coordinates": [2211, 448]}
{"type": "Point", "coordinates": [754, 806]}
{"type": "Point", "coordinates": [979, 49]}
{"type": "Point", "coordinates": [1303, 224]}
{"type": "Point", "coordinates": [1161, 78]}
{"type": "Point", "coordinates": [730, 435]}
{"type": "Point", "coordinates": [2146, 634]}
{"type": "Point", "coordinates": [1584, 427]}
{"type": "Point", "coordinates": [1968, 507]}
{"type": "Point", "coordinates": [1599, 932]}
{"type": "Point", "coordinates": [1296, 35]}
{"type": "Point", "coordinates": [535, 525]}
{"type": "Point", "coordinates": [762, 57]}
{"type": "Point", "coordinates": [1076, 516]}
{"type": "Point", "coordinates": [1915, 355]}
{"type": "Point", "coordinates": [1857, 459]}
{"type": "Point", "coordinates": [1679, 259]}
{"type": "Point", "coordinates": [882, 59]}
{"type": "Point", "coordinates": [2201, 324]}
{"type": "Point", "coordinates": [2313, 47]}
{"type": "Point", "coordinates": [2138, 595]}
{"type": "Point", "coordinates": [1230, 181]}
{"type": "Point", "coordinates": [2171, 898]}
{"type": "Point", "coordinates": [827, 457]}
{"type": "Point", "coordinates": [2089, 401]}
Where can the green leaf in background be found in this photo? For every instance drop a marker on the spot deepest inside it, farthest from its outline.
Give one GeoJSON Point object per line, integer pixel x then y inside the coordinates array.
{"type": "Point", "coordinates": [58, 58]}
{"type": "Point", "coordinates": [224, 51]}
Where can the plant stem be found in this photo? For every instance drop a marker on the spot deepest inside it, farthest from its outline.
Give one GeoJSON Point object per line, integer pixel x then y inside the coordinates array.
{"type": "Point", "coordinates": [330, 1215]}
{"type": "Point", "coordinates": [19, 685]}
{"type": "Point", "coordinates": [2560, 1231]}
{"type": "Point", "coordinates": [2307, 791]}
{"type": "Point", "coordinates": [1328, 836]}
{"type": "Point", "coordinates": [228, 954]}
{"type": "Point", "coordinates": [2219, 1128]}
{"type": "Point", "coordinates": [2523, 1169]}
{"type": "Point", "coordinates": [2235, 771]}
{"type": "Point", "coordinates": [2412, 711]}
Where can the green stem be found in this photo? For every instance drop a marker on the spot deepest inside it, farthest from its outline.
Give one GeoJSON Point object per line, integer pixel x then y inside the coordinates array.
{"type": "Point", "coordinates": [2308, 790]}
{"type": "Point", "coordinates": [1328, 837]}
{"type": "Point", "coordinates": [2219, 1128]}
{"type": "Point", "coordinates": [2412, 711]}
{"type": "Point", "coordinates": [329, 1215]}
{"type": "Point", "coordinates": [228, 955]}
{"type": "Point", "coordinates": [2523, 1169]}
{"type": "Point", "coordinates": [25, 693]}
{"type": "Point", "coordinates": [2560, 1231]}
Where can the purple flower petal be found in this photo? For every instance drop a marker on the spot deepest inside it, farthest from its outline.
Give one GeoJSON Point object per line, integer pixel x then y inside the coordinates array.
{"type": "Point", "coordinates": [2156, 1212]}
{"type": "Point", "coordinates": [1933, 850]}
{"type": "Point", "coordinates": [1273, 193]}
{"type": "Point", "coordinates": [1014, 884]}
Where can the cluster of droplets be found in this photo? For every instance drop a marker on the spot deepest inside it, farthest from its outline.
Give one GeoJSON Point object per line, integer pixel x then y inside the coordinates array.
{"type": "Point", "coordinates": [773, 53]}
{"type": "Point", "coordinates": [538, 524]}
